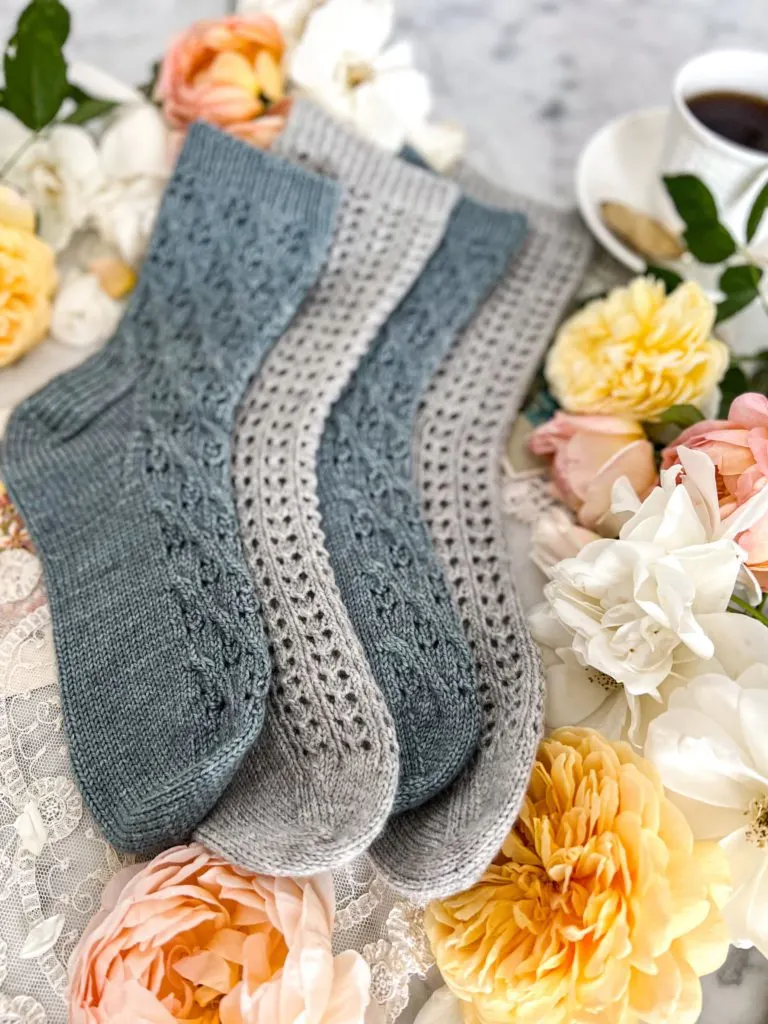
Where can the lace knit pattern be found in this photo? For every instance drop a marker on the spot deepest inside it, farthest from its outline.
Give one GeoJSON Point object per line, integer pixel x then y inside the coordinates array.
{"type": "Point", "coordinates": [391, 582]}
{"type": "Point", "coordinates": [133, 512]}
{"type": "Point", "coordinates": [320, 783]}
{"type": "Point", "coordinates": [464, 422]}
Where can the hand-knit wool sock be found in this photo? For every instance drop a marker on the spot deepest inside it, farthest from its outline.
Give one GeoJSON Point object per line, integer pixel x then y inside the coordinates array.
{"type": "Point", "coordinates": [319, 784]}
{"type": "Point", "coordinates": [446, 845]}
{"type": "Point", "coordinates": [125, 487]}
{"type": "Point", "coordinates": [392, 584]}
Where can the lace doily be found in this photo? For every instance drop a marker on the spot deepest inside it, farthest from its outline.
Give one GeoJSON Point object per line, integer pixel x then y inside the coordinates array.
{"type": "Point", "coordinates": [389, 933]}
{"type": "Point", "coordinates": [53, 861]}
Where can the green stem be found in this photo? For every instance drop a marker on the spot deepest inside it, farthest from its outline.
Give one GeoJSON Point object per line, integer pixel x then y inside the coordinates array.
{"type": "Point", "coordinates": [747, 609]}
{"type": "Point", "coordinates": [15, 157]}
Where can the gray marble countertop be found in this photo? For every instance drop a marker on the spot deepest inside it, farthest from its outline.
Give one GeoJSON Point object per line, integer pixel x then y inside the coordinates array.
{"type": "Point", "coordinates": [530, 80]}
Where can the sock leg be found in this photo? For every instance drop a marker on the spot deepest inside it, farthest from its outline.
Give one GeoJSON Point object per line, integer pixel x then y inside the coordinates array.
{"type": "Point", "coordinates": [393, 587]}
{"type": "Point", "coordinates": [444, 846]}
{"type": "Point", "coordinates": [163, 661]}
{"type": "Point", "coordinates": [319, 784]}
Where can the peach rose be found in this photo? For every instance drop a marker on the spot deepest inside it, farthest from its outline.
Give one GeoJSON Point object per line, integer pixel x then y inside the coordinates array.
{"type": "Point", "coordinates": [229, 73]}
{"type": "Point", "coordinates": [738, 449]}
{"type": "Point", "coordinates": [589, 454]}
{"type": "Point", "coordinates": [192, 938]}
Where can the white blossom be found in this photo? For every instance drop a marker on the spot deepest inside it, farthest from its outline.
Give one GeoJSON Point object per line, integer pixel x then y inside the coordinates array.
{"type": "Point", "coordinates": [343, 62]}
{"type": "Point", "coordinates": [709, 747]}
{"type": "Point", "coordinates": [59, 172]}
{"type": "Point", "coordinates": [624, 616]}
{"type": "Point", "coordinates": [83, 316]}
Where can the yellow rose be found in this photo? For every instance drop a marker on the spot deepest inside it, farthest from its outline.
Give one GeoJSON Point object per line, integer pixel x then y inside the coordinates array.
{"type": "Point", "coordinates": [27, 282]}
{"type": "Point", "coordinates": [637, 352]}
{"type": "Point", "coordinates": [599, 907]}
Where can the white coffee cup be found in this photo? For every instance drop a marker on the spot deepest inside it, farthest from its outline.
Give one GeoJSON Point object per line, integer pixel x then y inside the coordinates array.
{"type": "Point", "coordinates": [733, 173]}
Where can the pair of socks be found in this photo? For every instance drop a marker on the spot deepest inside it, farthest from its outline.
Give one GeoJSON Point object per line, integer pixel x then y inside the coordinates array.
{"type": "Point", "coordinates": [324, 441]}
{"type": "Point", "coordinates": [463, 426]}
{"type": "Point", "coordinates": [121, 471]}
{"type": "Point", "coordinates": [320, 783]}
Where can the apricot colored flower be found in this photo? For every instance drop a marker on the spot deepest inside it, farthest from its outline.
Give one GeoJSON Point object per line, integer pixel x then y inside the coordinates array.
{"type": "Point", "coordinates": [600, 906]}
{"type": "Point", "coordinates": [27, 282]}
{"type": "Point", "coordinates": [229, 73]}
{"type": "Point", "coordinates": [588, 455]}
{"type": "Point", "coordinates": [638, 352]}
{"type": "Point", "coordinates": [738, 449]}
{"type": "Point", "coordinates": [192, 938]}
{"type": "Point", "coordinates": [13, 533]}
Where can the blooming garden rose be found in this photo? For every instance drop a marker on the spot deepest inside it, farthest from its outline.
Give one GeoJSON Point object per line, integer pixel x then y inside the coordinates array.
{"type": "Point", "coordinates": [228, 73]}
{"type": "Point", "coordinates": [27, 282]}
{"type": "Point", "coordinates": [589, 454]}
{"type": "Point", "coordinates": [738, 449]}
{"type": "Point", "coordinates": [599, 906]}
{"type": "Point", "coordinates": [192, 938]}
{"type": "Point", "coordinates": [638, 352]}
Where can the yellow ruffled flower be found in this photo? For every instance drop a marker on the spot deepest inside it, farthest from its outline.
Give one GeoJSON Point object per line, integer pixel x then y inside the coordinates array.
{"type": "Point", "coordinates": [600, 906]}
{"type": "Point", "coordinates": [637, 352]}
{"type": "Point", "coordinates": [27, 280]}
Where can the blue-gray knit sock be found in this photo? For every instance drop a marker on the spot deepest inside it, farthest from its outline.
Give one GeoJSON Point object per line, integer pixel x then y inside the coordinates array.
{"type": "Point", "coordinates": [390, 579]}
{"type": "Point", "coordinates": [121, 470]}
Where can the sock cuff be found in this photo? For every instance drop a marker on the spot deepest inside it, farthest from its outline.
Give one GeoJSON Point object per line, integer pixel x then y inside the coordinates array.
{"type": "Point", "coordinates": [476, 222]}
{"type": "Point", "coordinates": [313, 138]}
{"type": "Point", "coordinates": [228, 164]}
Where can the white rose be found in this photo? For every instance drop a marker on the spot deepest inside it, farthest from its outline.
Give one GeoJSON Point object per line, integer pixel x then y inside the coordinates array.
{"type": "Point", "coordinates": [343, 62]}
{"type": "Point", "coordinates": [59, 172]}
{"type": "Point", "coordinates": [623, 615]}
{"type": "Point", "coordinates": [83, 315]}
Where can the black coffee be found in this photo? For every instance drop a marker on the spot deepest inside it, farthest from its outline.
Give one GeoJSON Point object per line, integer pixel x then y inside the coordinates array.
{"type": "Point", "coordinates": [736, 116]}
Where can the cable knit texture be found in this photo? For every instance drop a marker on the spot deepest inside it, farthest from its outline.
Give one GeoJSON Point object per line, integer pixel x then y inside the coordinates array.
{"type": "Point", "coordinates": [444, 846]}
{"type": "Point", "coordinates": [393, 587]}
{"type": "Point", "coordinates": [162, 655]}
{"type": "Point", "coordinates": [320, 783]}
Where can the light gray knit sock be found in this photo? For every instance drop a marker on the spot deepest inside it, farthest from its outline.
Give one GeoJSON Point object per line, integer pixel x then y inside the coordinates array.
{"type": "Point", "coordinates": [444, 846]}
{"type": "Point", "coordinates": [320, 783]}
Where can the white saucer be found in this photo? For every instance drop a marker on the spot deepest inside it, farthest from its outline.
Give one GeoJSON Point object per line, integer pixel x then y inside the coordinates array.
{"type": "Point", "coordinates": [620, 162]}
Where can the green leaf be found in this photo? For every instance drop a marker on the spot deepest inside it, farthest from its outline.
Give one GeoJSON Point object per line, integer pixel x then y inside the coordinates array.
{"type": "Point", "coordinates": [693, 200]}
{"type": "Point", "coordinates": [148, 88]}
{"type": "Point", "coordinates": [35, 78]}
{"type": "Point", "coordinates": [740, 285]}
{"type": "Point", "coordinates": [732, 305]}
{"type": "Point", "coordinates": [759, 381]}
{"type": "Point", "coordinates": [733, 384]}
{"type": "Point", "coordinates": [681, 416]}
{"type": "Point", "coordinates": [743, 277]}
{"type": "Point", "coordinates": [44, 16]}
{"type": "Point", "coordinates": [709, 243]}
{"type": "Point", "coordinates": [756, 213]}
{"type": "Point", "coordinates": [668, 278]}
{"type": "Point", "coordinates": [89, 108]}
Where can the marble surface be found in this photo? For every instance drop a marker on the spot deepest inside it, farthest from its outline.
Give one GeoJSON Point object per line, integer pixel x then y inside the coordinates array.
{"type": "Point", "coordinates": [530, 80]}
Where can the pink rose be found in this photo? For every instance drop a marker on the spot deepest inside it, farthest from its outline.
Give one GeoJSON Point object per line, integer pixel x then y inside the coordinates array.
{"type": "Point", "coordinates": [229, 73]}
{"type": "Point", "coordinates": [589, 454]}
{"type": "Point", "coordinates": [738, 449]}
{"type": "Point", "coordinates": [192, 938]}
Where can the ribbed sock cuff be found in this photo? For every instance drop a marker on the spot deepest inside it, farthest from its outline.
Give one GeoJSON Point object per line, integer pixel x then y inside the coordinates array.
{"type": "Point", "coordinates": [229, 164]}
{"type": "Point", "coordinates": [314, 139]}
{"type": "Point", "coordinates": [478, 222]}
